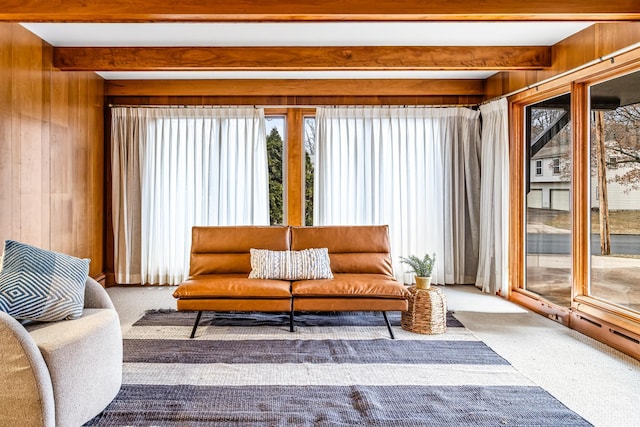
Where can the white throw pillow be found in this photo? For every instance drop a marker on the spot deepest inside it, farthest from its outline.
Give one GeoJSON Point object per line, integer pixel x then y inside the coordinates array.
{"type": "Point", "coordinates": [307, 264]}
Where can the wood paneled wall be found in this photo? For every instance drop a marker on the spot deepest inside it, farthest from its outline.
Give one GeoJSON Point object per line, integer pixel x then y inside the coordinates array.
{"type": "Point", "coordinates": [579, 49]}
{"type": "Point", "coordinates": [51, 150]}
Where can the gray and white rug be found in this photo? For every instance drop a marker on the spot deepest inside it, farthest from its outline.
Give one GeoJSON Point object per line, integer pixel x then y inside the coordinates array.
{"type": "Point", "coordinates": [337, 369]}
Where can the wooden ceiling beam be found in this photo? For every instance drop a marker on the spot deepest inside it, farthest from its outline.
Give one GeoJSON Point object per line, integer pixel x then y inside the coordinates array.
{"type": "Point", "coordinates": [315, 10]}
{"type": "Point", "coordinates": [295, 87]}
{"type": "Point", "coordinates": [302, 58]}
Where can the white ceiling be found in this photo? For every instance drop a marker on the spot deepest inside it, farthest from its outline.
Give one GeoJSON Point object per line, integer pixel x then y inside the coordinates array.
{"type": "Point", "coordinates": [305, 34]}
{"type": "Point", "coordinates": [308, 34]}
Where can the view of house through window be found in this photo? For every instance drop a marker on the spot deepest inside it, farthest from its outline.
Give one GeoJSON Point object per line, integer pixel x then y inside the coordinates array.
{"type": "Point", "coordinates": [548, 207]}
{"type": "Point", "coordinates": [615, 191]}
{"type": "Point", "coordinates": [275, 127]}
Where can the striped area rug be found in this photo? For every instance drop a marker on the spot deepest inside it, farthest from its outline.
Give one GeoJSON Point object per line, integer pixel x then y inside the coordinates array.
{"type": "Point", "coordinates": [337, 369]}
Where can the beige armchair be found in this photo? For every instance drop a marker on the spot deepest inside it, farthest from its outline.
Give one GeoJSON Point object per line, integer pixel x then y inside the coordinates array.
{"type": "Point", "coordinates": [61, 373]}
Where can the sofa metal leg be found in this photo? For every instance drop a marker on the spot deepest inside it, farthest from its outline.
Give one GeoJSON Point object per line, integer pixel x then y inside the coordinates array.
{"type": "Point", "coordinates": [195, 325]}
{"type": "Point", "coordinates": [386, 319]}
{"type": "Point", "coordinates": [291, 320]}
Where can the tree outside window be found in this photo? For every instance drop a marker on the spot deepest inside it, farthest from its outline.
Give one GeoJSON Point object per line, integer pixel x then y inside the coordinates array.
{"type": "Point", "coordinates": [309, 162]}
{"type": "Point", "coordinates": [275, 149]}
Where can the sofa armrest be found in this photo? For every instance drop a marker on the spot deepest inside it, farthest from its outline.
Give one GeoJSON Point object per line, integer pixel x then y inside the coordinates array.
{"type": "Point", "coordinates": [29, 400]}
{"type": "Point", "coordinates": [95, 296]}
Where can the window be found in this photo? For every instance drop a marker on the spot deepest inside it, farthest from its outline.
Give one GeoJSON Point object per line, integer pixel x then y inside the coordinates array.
{"type": "Point", "coordinates": [275, 127]}
{"type": "Point", "coordinates": [575, 252]}
{"type": "Point", "coordinates": [548, 212]}
{"type": "Point", "coordinates": [615, 182]}
{"type": "Point", "coordinates": [309, 164]}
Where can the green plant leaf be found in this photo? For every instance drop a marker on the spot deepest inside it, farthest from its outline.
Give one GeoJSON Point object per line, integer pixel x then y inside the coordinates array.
{"type": "Point", "coordinates": [422, 267]}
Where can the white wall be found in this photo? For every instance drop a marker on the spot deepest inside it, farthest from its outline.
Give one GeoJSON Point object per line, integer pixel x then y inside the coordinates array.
{"type": "Point", "coordinates": [620, 197]}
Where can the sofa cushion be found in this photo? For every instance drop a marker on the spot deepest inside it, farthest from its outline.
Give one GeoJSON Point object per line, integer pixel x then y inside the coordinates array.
{"type": "Point", "coordinates": [351, 285]}
{"type": "Point", "coordinates": [290, 265]}
{"type": "Point", "coordinates": [352, 248]}
{"type": "Point", "coordinates": [225, 249]}
{"type": "Point", "coordinates": [232, 286]}
{"type": "Point", "coordinates": [42, 285]}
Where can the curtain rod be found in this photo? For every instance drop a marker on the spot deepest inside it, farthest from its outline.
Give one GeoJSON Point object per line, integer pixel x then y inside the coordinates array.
{"type": "Point", "coordinates": [365, 106]}
{"type": "Point", "coordinates": [293, 106]}
{"type": "Point", "coordinates": [176, 106]}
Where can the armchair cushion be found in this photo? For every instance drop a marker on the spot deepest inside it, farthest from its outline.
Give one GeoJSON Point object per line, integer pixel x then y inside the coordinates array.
{"type": "Point", "coordinates": [84, 358]}
{"type": "Point", "coordinates": [37, 284]}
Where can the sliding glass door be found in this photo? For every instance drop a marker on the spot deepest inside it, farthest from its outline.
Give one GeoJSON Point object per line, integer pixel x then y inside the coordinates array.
{"type": "Point", "coordinates": [575, 215]}
{"type": "Point", "coordinates": [548, 199]}
{"type": "Point", "coordinates": [615, 191]}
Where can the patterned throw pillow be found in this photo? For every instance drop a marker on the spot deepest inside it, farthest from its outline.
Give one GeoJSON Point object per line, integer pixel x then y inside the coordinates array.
{"type": "Point", "coordinates": [307, 264]}
{"type": "Point", "coordinates": [36, 284]}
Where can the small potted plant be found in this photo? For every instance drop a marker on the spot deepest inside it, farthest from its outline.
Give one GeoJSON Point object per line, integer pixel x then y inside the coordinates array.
{"type": "Point", "coordinates": [422, 269]}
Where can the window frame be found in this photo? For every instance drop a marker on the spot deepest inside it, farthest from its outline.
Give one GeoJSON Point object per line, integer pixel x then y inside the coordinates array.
{"type": "Point", "coordinates": [538, 167]}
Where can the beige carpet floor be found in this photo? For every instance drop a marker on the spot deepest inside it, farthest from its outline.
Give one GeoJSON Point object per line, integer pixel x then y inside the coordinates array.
{"type": "Point", "coordinates": [599, 383]}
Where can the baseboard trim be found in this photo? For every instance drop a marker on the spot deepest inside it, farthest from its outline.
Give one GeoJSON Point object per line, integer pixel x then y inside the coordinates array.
{"type": "Point", "coordinates": [100, 278]}
{"type": "Point", "coordinates": [605, 332]}
{"type": "Point", "coordinates": [110, 280]}
{"type": "Point", "coordinates": [595, 327]}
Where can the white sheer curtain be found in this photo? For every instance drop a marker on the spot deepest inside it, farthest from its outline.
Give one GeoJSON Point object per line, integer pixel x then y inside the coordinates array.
{"type": "Point", "coordinates": [494, 199]}
{"type": "Point", "coordinates": [415, 169]}
{"type": "Point", "coordinates": [174, 168]}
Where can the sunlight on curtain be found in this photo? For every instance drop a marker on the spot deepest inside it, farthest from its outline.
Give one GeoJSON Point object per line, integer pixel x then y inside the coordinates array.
{"type": "Point", "coordinates": [494, 199]}
{"type": "Point", "coordinates": [174, 168]}
{"type": "Point", "coordinates": [415, 169]}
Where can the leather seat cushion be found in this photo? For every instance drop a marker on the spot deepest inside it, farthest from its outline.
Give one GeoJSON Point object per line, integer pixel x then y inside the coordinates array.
{"type": "Point", "coordinates": [351, 285]}
{"type": "Point", "coordinates": [358, 249]}
{"type": "Point", "coordinates": [232, 286]}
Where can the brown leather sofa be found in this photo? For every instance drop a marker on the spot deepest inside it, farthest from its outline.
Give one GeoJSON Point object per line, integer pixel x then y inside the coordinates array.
{"type": "Point", "coordinates": [360, 262]}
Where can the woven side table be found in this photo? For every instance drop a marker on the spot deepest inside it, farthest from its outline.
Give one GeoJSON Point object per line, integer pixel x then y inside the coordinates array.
{"type": "Point", "coordinates": [427, 313]}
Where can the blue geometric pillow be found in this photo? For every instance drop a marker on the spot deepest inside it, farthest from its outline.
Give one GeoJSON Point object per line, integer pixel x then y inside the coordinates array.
{"type": "Point", "coordinates": [41, 285]}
